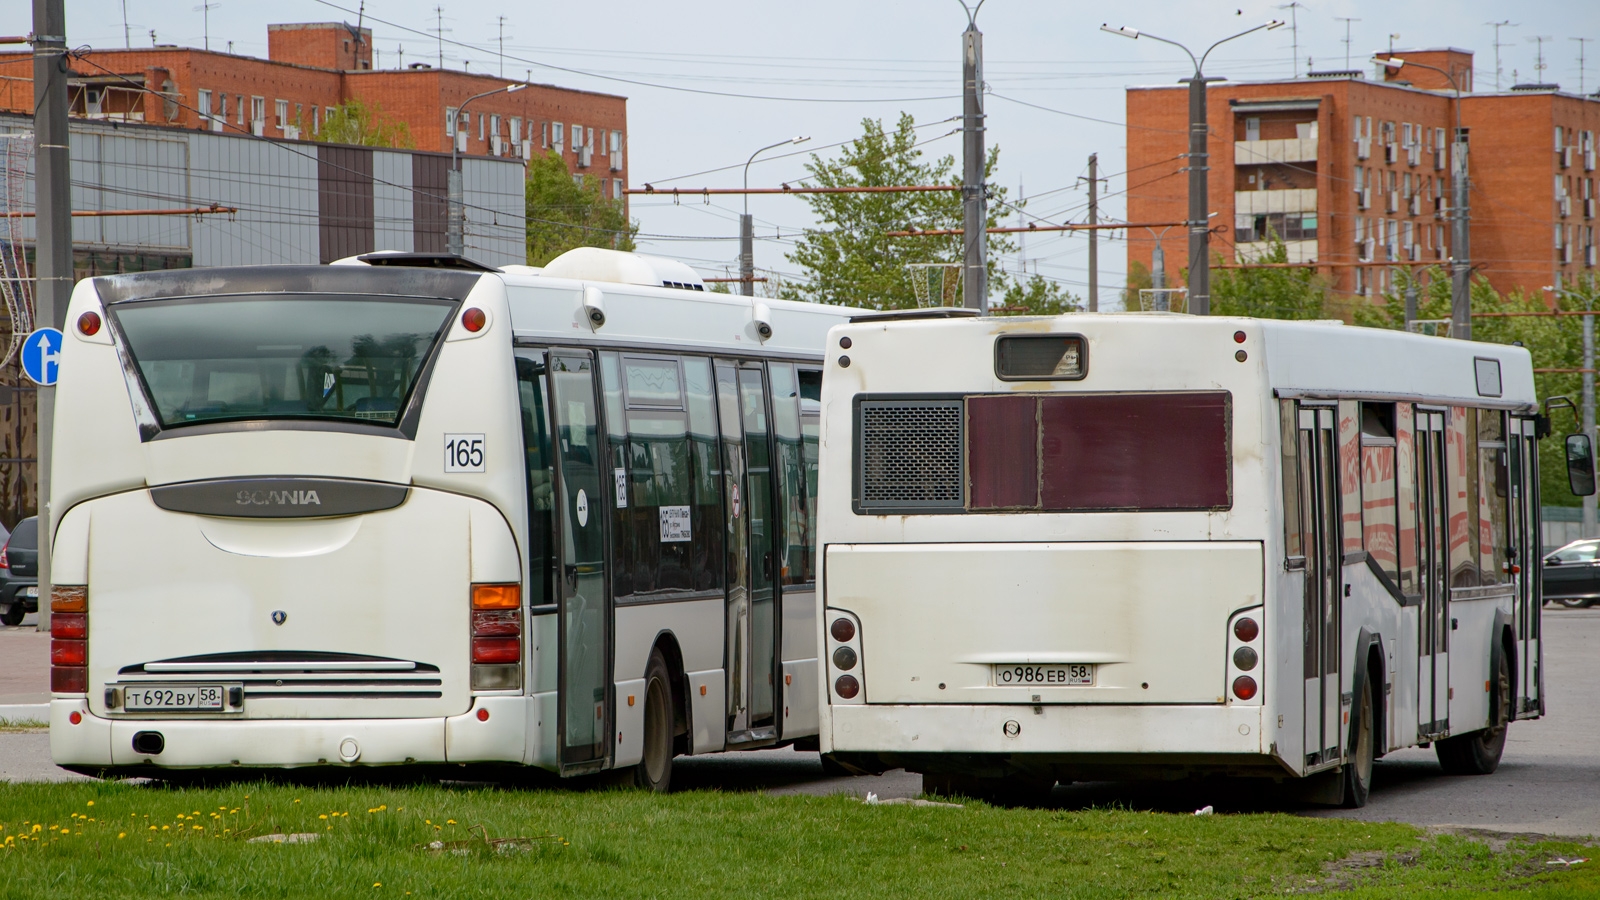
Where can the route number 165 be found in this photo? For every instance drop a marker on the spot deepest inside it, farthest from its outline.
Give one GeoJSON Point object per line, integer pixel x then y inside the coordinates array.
{"type": "Point", "coordinates": [463, 453]}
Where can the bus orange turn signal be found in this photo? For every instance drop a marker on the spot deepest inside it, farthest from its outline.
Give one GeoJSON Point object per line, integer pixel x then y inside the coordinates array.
{"type": "Point", "coordinates": [496, 596]}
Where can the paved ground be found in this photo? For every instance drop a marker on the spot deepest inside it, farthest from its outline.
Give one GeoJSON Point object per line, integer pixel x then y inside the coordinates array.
{"type": "Point", "coordinates": [1548, 782]}
{"type": "Point", "coordinates": [24, 663]}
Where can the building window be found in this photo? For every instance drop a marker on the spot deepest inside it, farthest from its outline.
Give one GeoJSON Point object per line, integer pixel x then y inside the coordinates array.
{"type": "Point", "coordinates": [238, 104]}
{"type": "Point", "coordinates": [577, 180]}
{"type": "Point", "coordinates": [222, 107]}
{"type": "Point", "coordinates": [450, 113]}
{"type": "Point", "coordinates": [617, 189]}
{"type": "Point", "coordinates": [556, 138]}
{"type": "Point", "coordinates": [258, 114]}
{"type": "Point", "coordinates": [481, 125]}
{"type": "Point", "coordinates": [315, 126]}
{"type": "Point", "coordinates": [577, 136]}
{"type": "Point", "coordinates": [202, 104]}
{"type": "Point", "coordinates": [516, 131]}
{"type": "Point", "coordinates": [1252, 129]}
{"type": "Point", "coordinates": [544, 135]}
{"type": "Point", "coordinates": [282, 113]}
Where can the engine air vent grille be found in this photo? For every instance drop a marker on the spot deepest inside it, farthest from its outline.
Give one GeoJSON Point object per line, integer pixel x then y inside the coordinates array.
{"type": "Point", "coordinates": [909, 454]}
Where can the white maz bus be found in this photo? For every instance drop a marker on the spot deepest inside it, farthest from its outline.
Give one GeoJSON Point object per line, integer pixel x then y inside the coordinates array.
{"type": "Point", "coordinates": [1154, 545]}
{"type": "Point", "coordinates": [388, 513]}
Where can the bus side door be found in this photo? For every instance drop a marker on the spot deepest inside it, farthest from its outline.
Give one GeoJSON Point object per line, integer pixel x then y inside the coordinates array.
{"type": "Point", "coordinates": [1433, 622]}
{"type": "Point", "coordinates": [585, 615]}
{"type": "Point", "coordinates": [1527, 550]}
{"type": "Point", "coordinates": [1324, 564]}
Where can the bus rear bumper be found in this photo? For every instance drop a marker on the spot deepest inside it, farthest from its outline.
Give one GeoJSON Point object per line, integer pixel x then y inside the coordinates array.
{"type": "Point", "coordinates": [1082, 731]}
{"type": "Point", "coordinates": [101, 742]}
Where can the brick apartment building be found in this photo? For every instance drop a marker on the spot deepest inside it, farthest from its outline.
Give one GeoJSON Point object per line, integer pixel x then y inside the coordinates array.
{"type": "Point", "coordinates": [313, 68]}
{"type": "Point", "coordinates": [1345, 169]}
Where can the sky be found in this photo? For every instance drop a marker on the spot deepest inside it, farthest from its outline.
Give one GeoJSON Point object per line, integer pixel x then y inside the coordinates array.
{"type": "Point", "coordinates": [710, 82]}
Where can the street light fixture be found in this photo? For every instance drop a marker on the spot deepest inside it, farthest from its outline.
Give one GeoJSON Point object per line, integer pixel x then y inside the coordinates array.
{"type": "Point", "coordinates": [1461, 199]}
{"type": "Point", "coordinates": [1199, 229]}
{"type": "Point", "coordinates": [456, 217]}
{"type": "Point", "coordinates": [747, 262]}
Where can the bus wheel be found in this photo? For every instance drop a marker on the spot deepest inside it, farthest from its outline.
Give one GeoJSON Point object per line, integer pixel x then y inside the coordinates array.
{"type": "Point", "coordinates": [654, 771]}
{"type": "Point", "coordinates": [1358, 771]}
{"type": "Point", "coordinates": [1478, 752]}
{"type": "Point", "coordinates": [1574, 602]}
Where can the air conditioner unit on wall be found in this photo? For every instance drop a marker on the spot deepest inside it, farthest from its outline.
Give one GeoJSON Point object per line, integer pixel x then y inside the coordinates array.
{"type": "Point", "coordinates": [585, 156]}
{"type": "Point", "coordinates": [616, 160]}
{"type": "Point", "coordinates": [1363, 148]}
{"type": "Point", "coordinates": [1414, 154]}
{"type": "Point", "coordinates": [1393, 204]}
{"type": "Point", "coordinates": [1588, 208]}
{"type": "Point", "coordinates": [1391, 152]}
{"type": "Point", "coordinates": [1566, 157]}
{"type": "Point", "coordinates": [1416, 205]}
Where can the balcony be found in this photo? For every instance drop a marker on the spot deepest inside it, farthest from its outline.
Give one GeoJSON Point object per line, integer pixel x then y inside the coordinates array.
{"type": "Point", "coordinates": [1255, 153]}
{"type": "Point", "coordinates": [1297, 251]}
{"type": "Point", "coordinates": [1288, 200]}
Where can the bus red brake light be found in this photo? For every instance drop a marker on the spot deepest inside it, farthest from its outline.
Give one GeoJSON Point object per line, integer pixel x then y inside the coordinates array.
{"type": "Point", "coordinates": [496, 649]}
{"type": "Point", "coordinates": [847, 687]}
{"type": "Point", "coordinates": [842, 630]}
{"type": "Point", "coordinates": [89, 324]}
{"type": "Point", "coordinates": [69, 626]}
{"type": "Point", "coordinates": [474, 319]}
{"type": "Point", "coordinates": [497, 623]}
{"type": "Point", "coordinates": [1244, 687]}
{"type": "Point", "coordinates": [69, 680]}
{"type": "Point", "coordinates": [1246, 629]}
{"type": "Point", "coordinates": [496, 596]}
{"type": "Point", "coordinates": [69, 653]}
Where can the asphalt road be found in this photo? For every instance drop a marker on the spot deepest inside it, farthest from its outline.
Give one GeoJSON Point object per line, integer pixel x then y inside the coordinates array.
{"type": "Point", "coordinates": [1548, 781]}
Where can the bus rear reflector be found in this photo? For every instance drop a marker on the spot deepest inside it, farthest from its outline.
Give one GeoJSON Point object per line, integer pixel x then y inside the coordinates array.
{"type": "Point", "coordinates": [73, 680]}
{"type": "Point", "coordinates": [497, 596]}
{"type": "Point", "coordinates": [70, 626]}
{"type": "Point", "coordinates": [496, 649]}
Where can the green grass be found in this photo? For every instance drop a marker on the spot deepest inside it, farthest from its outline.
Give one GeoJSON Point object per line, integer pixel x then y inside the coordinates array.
{"type": "Point", "coordinates": [22, 726]}
{"type": "Point", "coordinates": [122, 840]}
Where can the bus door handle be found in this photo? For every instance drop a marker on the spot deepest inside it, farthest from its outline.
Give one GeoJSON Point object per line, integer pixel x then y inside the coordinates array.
{"type": "Point", "coordinates": [570, 570]}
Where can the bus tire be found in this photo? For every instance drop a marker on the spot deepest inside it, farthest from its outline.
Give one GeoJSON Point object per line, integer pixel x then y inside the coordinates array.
{"type": "Point", "coordinates": [1358, 771]}
{"type": "Point", "coordinates": [1478, 752]}
{"type": "Point", "coordinates": [654, 771]}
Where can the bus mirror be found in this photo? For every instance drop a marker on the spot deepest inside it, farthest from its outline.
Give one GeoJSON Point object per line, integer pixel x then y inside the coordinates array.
{"type": "Point", "coordinates": [1580, 464]}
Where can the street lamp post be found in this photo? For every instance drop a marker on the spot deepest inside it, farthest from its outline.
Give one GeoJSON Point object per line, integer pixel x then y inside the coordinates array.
{"type": "Point", "coordinates": [1199, 227]}
{"type": "Point", "coordinates": [1460, 237]}
{"type": "Point", "coordinates": [747, 234]}
{"type": "Point", "coordinates": [1158, 268]}
{"type": "Point", "coordinates": [456, 216]}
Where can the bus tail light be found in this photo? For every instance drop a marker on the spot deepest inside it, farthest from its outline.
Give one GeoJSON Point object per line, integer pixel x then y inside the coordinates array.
{"type": "Point", "coordinates": [69, 644]}
{"type": "Point", "coordinates": [1246, 654]}
{"type": "Point", "coordinates": [844, 657]}
{"type": "Point", "coordinates": [496, 637]}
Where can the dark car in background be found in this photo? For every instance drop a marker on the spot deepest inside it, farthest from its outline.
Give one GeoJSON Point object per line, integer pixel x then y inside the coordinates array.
{"type": "Point", "coordinates": [1572, 574]}
{"type": "Point", "coordinates": [19, 573]}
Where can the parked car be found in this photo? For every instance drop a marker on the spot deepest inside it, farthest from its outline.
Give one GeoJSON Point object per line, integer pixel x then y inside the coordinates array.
{"type": "Point", "coordinates": [1572, 575]}
{"type": "Point", "coordinates": [19, 573]}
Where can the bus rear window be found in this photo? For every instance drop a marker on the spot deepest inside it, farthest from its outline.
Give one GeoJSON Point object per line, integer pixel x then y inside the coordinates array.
{"type": "Point", "coordinates": [1100, 452]}
{"type": "Point", "coordinates": [252, 357]}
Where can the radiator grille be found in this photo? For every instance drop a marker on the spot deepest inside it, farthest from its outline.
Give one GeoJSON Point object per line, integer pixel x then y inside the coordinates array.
{"type": "Point", "coordinates": [910, 453]}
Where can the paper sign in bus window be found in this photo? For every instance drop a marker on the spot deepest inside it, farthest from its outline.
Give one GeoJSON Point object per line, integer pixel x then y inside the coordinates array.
{"type": "Point", "coordinates": [675, 524]}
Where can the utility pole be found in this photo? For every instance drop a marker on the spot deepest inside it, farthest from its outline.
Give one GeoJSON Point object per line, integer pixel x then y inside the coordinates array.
{"type": "Point", "coordinates": [974, 205]}
{"type": "Point", "coordinates": [747, 227]}
{"type": "Point", "coordinates": [53, 202]}
{"type": "Point", "coordinates": [1589, 526]}
{"type": "Point", "coordinates": [1094, 237]}
{"type": "Point", "coordinates": [455, 225]}
{"type": "Point", "coordinates": [1411, 305]}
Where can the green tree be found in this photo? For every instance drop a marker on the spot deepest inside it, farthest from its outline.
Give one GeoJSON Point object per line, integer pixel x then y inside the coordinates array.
{"type": "Point", "coordinates": [356, 122]}
{"type": "Point", "coordinates": [849, 259]}
{"type": "Point", "coordinates": [1554, 342]}
{"type": "Point", "coordinates": [1298, 293]}
{"type": "Point", "coordinates": [565, 211]}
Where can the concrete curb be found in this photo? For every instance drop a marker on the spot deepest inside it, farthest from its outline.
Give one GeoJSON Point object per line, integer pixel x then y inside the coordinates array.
{"type": "Point", "coordinates": [16, 712]}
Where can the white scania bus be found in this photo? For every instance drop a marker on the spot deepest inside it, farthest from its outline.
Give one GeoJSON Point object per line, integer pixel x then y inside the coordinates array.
{"type": "Point", "coordinates": [389, 513]}
{"type": "Point", "coordinates": [1152, 545]}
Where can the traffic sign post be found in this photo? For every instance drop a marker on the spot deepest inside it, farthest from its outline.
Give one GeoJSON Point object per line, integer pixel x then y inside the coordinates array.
{"type": "Point", "coordinates": [41, 356]}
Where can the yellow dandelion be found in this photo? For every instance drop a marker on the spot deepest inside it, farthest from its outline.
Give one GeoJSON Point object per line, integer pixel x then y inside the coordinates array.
{"type": "Point", "coordinates": [222, 807]}
{"type": "Point", "coordinates": [121, 835]}
{"type": "Point", "coordinates": [323, 816]}
{"type": "Point", "coordinates": [382, 807]}
{"type": "Point", "coordinates": [297, 801]}
{"type": "Point", "coordinates": [449, 821]}
{"type": "Point", "coordinates": [377, 884]}
{"type": "Point", "coordinates": [166, 828]}
{"type": "Point", "coordinates": [152, 828]}
{"type": "Point", "coordinates": [429, 821]}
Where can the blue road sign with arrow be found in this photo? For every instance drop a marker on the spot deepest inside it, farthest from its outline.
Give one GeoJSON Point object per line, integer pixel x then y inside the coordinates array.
{"type": "Point", "coordinates": [41, 355]}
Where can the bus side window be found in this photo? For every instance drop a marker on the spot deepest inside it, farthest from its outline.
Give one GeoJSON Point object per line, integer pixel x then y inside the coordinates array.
{"type": "Point", "coordinates": [1461, 496]}
{"type": "Point", "coordinates": [1406, 495]}
{"type": "Point", "coordinates": [790, 465]}
{"type": "Point", "coordinates": [1350, 474]}
{"type": "Point", "coordinates": [622, 541]}
{"type": "Point", "coordinates": [1493, 498]}
{"type": "Point", "coordinates": [1378, 487]}
{"type": "Point", "coordinates": [661, 490]}
{"type": "Point", "coordinates": [1294, 548]}
{"type": "Point", "coordinates": [704, 438]}
{"type": "Point", "coordinates": [541, 482]}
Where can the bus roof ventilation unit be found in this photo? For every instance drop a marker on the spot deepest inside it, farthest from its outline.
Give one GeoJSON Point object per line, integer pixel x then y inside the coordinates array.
{"type": "Point", "coordinates": [901, 315]}
{"type": "Point", "coordinates": [620, 267]}
{"type": "Point", "coordinates": [423, 261]}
